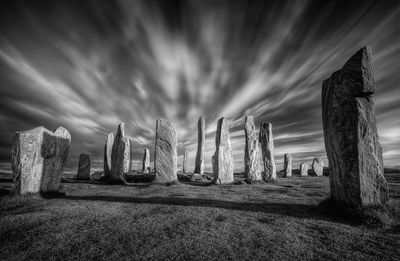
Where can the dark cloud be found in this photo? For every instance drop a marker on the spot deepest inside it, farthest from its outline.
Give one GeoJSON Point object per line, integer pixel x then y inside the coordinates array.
{"type": "Point", "coordinates": [87, 65]}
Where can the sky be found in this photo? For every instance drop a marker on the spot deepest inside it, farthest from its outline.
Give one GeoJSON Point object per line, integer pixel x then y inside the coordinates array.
{"type": "Point", "coordinates": [88, 65]}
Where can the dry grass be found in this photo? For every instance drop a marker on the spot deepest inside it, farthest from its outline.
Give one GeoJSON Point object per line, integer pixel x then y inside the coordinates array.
{"type": "Point", "coordinates": [189, 221]}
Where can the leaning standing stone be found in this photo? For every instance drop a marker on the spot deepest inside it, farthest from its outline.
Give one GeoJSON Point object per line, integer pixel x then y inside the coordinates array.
{"type": "Point", "coordinates": [107, 154]}
{"type": "Point", "coordinates": [287, 165]}
{"type": "Point", "coordinates": [303, 169]}
{"type": "Point", "coordinates": [185, 161]}
{"type": "Point", "coordinates": [223, 165]}
{"type": "Point", "coordinates": [267, 149]}
{"type": "Point", "coordinates": [318, 166]}
{"type": "Point", "coordinates": [201, 139]}
{"type": "Point", "coordinates": [120, 156]}
{"type": "Point", "coordinates": [84, 167]}
{"type": "Point", "coordinates": [165, 156]}
{"type": "Point", "coordinates": [251, 152]}
{"type": "Point", "coordinates": [146, 161]}
{"type": "Point", "coordinates": [352, 144]}
{"type": "Point", "coordinates": [38, 159]}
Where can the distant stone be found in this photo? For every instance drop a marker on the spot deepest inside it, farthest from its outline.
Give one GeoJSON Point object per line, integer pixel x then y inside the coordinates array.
{"type": "Point", "coordinates": [201, 139]}
{"type": "Point", "coordinates": [84, 167]}
{"type": "Point", "coordinates": [251, 152]}
{"type": "Point", "coordinates": [303, 169]}
{"type": "Point", "coordinates": [146, 161]}
{"type": "Point", "coordinates": [318, 166]}
{"type": "Point", "coordinates": [287, 165]}
{"type": "Point", "coordinates": [185, 160]}
{"type": "Point", "coordinates": [222, 159]}
{"type": "Point", "coordinates": [107, 154]}
{"type": "Point", "coordinates": [120, 156]}
{"type": "Point", "coordinates": [165, 158]}
{"type": "Point", "coordinates": [352, 144]}
{"type": "Point", "coordinates": [267, 149]}
{"type": "Point", "coordinates": [197, 177]}
{"type": "Point", "coordinates": [38, 159]}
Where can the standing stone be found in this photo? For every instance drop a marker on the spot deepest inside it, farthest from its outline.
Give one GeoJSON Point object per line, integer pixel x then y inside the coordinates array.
{"type": "Point", "coordinates": [146, 161]}
{"type": "Point", "coordinates": [201, 140]}
{"type": "Point", "coordinates": [287, 165]}
{"type": "Point", "coordinates": [351, 139]}
{"type": "Point", "coordinates": [303, 169]}
{"type": "Point", "coordinates": [223, 165]}
{"type": "Point", "coordinates": [38, 159]}
{"type": "Point", "coordinates": [251, 152]}
{"type": "Point", "coordinates": [120, 155]}
{"type": "Point", "coordinates": [318, 166]}
{"type": "Point", "coordinates": [165, 156]}
{"type": "Point", "coordinates": [185, 160]}
{"type": "Point", "coordinates": [84, 167]}
{"type": "Point", "coordinates": [267, 148]}
{"type": "Point", "coordinates": [107, 154]}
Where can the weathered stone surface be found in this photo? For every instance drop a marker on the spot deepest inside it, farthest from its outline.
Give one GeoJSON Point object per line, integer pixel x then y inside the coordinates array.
{"type": "Point", "coordinates": [38, 159]}
{"type": "Point", "coordinates": [201, 140]}
{"type": "Point", "coordinates": [267, 149]}
{"type": "Point", "coordinates": [165, 157]}
{"type": "Point", "coordinates": [84, 167]}
{"type": "Point", "coordinates": [303, 169]}
{"type": "Point", "coordinates": [251, 151]}
{"type": "Point", "coordinates": [318, 166]}
{"type": "Point", "coordinates": [146, 161]}
{"type": "Point", "coordinates": [185, 160]}
{"type": "Point", "coordinates": [287, 165]}
{"type": "Point", "coordinates": [351, 137]}
{"type": "Point", "coordinates": [107, 154]}
{"type": "Point", "coordinates": [120, 155]}
{"type": "Point", "coordinates": [222, 159]}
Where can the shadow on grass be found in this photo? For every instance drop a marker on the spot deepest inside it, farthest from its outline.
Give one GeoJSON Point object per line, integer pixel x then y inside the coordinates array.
{"type": "Point", "coordinates": [290, 209]}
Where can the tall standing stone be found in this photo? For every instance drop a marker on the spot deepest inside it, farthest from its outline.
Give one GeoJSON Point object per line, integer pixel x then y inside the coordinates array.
{"type": "Point", "coordinates": [201, 140]}
{"type": "Point", "coordinates": [267, 148]}
{"type": "Point", "coordinates": [318, 166]}
{"type": "Point", "coordinates": [120, 156]}
{"type": "Point", "coordinates": [222, 160]}
{"type": "Point", "coordinates": [303, 169]}
{"type": "Point", "coordinates": [84, 167]}
{"type": "Point", "coordinates": [165, 155]}
{"type": "Point", "coordinates": [38, 159]}
{"type": "Point", "coordinates": [351, 139]}
{"type": "Point", "coordinates": [185, 160]}
{"type": "Point", "coordinates": [107, 154]}
{"type": "Point", "coordinates": [251, 151]}
{"type": "Point", "coordinates": [146, 161]}
{"type": "Point", "coordinates": [287, 165]}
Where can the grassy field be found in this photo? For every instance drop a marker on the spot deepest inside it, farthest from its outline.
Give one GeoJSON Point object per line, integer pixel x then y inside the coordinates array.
{"type": "Point", "coordinates": [189, 221]}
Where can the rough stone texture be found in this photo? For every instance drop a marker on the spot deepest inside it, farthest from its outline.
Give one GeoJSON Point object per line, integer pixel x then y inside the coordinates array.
{"type": "Point", "coordinates": [185, 161]}
{"type": "Point", "coordinates": [165, 157]}
{"type": "Point", "coordinates": [251, 151]}
{"type": "Point", "coordinates": [107, 154]}
{"type": "Point", "coordinates": [267, 148]}
{"type": "Point", "coordinates": [84, 167]}
{"type": "Point", "coordinates": [351, 138]}
{"type": "Point", "coordinates": [318, 166]}
{"type": "Point", "coordinates": [287, 165]}
{"type": "Point", "coordinates": [120, 155]}
{"type": "Point", "coordinates": [201, 140]}
{"type": "Point", "coordinates": [303, 169]}
{"type": "Point", "coordinates": [222, 160]}
{"type": "Point", "coordinates": [38, 159]}
{"type": "Point", "coordinates": [146, 161]}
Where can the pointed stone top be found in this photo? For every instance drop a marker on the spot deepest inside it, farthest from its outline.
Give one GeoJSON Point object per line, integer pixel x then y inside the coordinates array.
{"type": "Point", "coordinates": [121, 130]}
{"type": "Point", "coordinates": [62, 132]}
{"type": "Point", "coordinates": [359, 69]}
